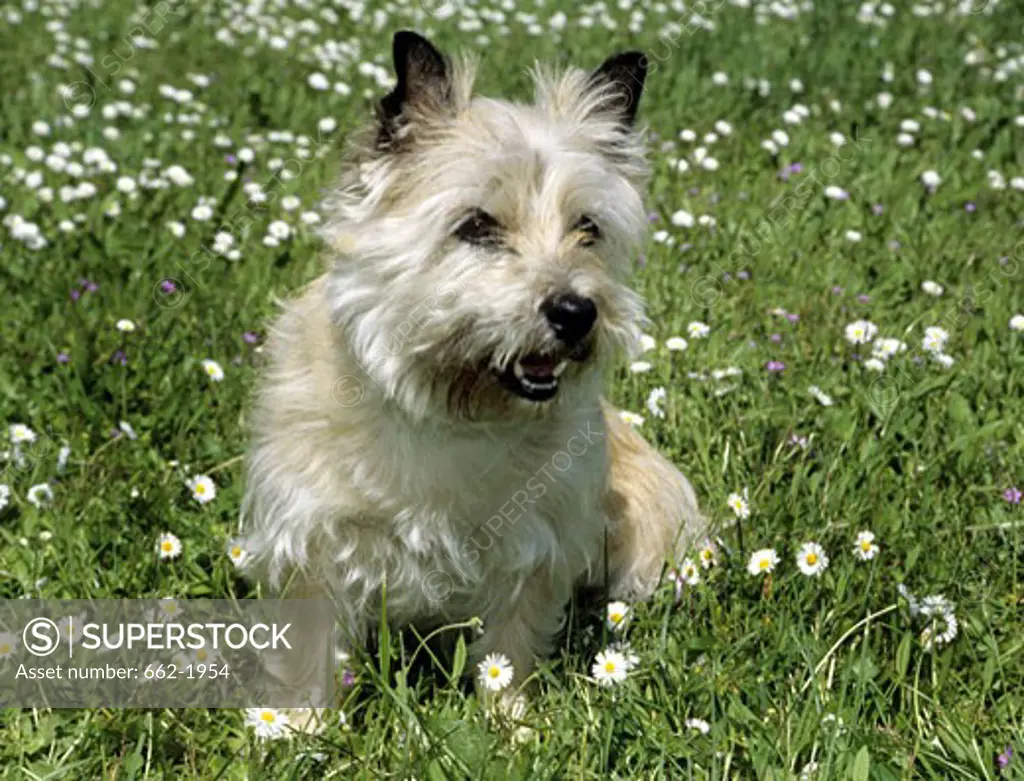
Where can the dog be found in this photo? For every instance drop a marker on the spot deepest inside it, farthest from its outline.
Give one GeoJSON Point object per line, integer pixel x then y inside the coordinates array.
{"type": "Point", "coordinates": [430, 435]}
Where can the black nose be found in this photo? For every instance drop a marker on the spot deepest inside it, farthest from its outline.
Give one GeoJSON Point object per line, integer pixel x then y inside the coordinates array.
{"type": "Point", "coordinates": [571, 316]}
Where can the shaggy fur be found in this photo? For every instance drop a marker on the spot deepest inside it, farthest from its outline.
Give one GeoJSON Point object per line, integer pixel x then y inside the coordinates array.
{"type": "Point", "coordinates": [387, 450]}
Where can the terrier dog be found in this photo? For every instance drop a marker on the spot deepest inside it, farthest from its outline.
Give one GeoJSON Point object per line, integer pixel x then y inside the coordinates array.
{"type": "Point", "coordinates": [431, 424]}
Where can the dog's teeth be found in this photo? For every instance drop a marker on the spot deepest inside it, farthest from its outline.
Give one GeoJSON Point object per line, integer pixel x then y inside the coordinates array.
{"type": "Point", "coordinates": [557, 371]}
{"type": "Point", "coordinates": [520, 372]}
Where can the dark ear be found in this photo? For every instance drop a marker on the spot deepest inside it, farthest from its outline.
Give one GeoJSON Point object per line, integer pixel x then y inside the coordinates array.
{"type": "Point", "coordinates": [424, 83]}
{"type": "Point", "coordinates": [622, 76]}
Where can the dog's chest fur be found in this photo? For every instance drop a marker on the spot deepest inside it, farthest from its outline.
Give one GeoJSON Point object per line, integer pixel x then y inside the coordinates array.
{"type": "Point", "coordinates": [432, 509]}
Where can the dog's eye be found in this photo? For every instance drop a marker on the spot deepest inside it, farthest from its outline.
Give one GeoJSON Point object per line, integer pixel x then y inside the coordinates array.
{"type": "Point", "coordinates": [479, 228]}
{"type": "Point", "coordinates": [587, 229]}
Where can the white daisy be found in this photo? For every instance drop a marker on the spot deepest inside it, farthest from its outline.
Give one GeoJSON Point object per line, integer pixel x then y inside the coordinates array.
{"type": "Point", "coordinates": [688, 573]}
{"type": "Point", "coordinates": [204, 490]}
{"type": "Point", "coordinates": [610, 668]}
{"type": "Point", "coordinates": [126, 427]}
{"type": "Point", "coordinates": [739, 505]}
{"type": "Point", "coordinates": [647, 343]}
{"type": "Point", "coordinates": [8, 644]}
{"type": "Point", "coordinates": [935, 339]}
{"type": "Point", "coordinates": [617, 615]}
{"type": "Point", "coordinates": [279, 229]}
{"type": "Point", "coordinates": [699, 725]}
{"type": "Point", "coordinates": [678, 343]}
{"type": "Point", "coordinates": [683, 219]}
{"type": "Point", "coordinates": [811, 559]}
{"type": "Point", "coordinates": [237, 552]}
{"type": "Point", "coordinates": [19, 433]}
{"type": "Point", "coordinates": [654, 402]}
{"type": "Point", "coordinates": [885, 349]}
{"type": "Point", "coordinates": [5, 495]}
{"type": "Point", "coordinates": [267, 723]}
{"type": "Point", "coordinates": [40, 495]}
{"type": "Point", "coordinates": [168, 546]}
{"type": "Point", "coordinates": [762, 561]}
{"type": "Point", "coordinates": [823, 398]}
{"type": "Point", "coordinates": [854, 236]}
{"type": "Point", "coordinates": [127, 326]}
{"type": "Point", "coordinates": [708, 555]}
{"type": "Point", "coordinates": [932, 288]}
{"type": "Point", "coordinates": [698, 330]}
{"type": "Point", "coordinates": [213, 370]}
{"type": "Point", "coordinates": [860, 332]}
{"type": "Point", "coordinates": [874, 364]}
{"type": "Point", "coordinates": [931, 179]}
{"type": "Point", "coordinates": [495, 672]}
{"type": "Point", "coordinates": [631, 418]}
{"type": "Point", "coordinates": [864, 547]}
{"type": "Point", "coordinates": [1017, 323]}
{"type": "Point", "coordinates": [640, 367]}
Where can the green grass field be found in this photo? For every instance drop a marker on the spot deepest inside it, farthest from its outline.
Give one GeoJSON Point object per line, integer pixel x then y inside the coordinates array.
{"type": "Point", "coordinates": [778, 247]}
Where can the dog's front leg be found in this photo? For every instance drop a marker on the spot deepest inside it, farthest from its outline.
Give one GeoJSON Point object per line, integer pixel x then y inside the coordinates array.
{"type": "Point", "coordinates": [522, 625]}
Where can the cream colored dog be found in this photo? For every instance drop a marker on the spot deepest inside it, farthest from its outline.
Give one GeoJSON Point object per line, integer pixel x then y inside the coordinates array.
{"type": "Point", "coordinates": [431, 425]}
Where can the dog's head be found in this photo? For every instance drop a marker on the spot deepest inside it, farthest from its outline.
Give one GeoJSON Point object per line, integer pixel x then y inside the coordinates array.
{"type": "Point", "coordinates": [483, 246]}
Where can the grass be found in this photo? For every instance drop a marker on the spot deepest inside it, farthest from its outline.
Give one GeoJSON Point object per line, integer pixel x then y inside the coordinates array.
{"type": "Point", "coordinates": [829, 670]}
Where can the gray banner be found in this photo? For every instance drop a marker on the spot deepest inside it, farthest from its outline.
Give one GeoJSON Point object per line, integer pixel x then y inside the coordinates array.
{"type": "Point", "coordinates": [166, 653]}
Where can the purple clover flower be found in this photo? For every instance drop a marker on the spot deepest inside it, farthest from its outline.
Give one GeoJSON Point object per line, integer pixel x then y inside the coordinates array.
{"type": "Point", "coordinates": [1012, 495]}
{"type": "Point", "coordinates": [775, 366]}
{"type": "Point", "coordinates": [251, 337]}
{"type": "Point", "coordinates": [168, 286]}
{"type": "Point", "coordinates": [63, 358]}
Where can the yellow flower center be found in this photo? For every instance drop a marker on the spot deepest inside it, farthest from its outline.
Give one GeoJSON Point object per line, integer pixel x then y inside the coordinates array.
{"type": "Point", "coordinates": [201, 654]}
{"type": "Point", "coordinates": [5, 648]}
{"type": "Point", "coordinates": [812, 558]}
{"type": "Point", "coordinates": [615, 617]}
{"type": "Point", "coordinates": [268, 717]}
{"type": "Point", "coordinates": [865, 546]}
{"type": "Point", "coordinates": [166, 547]}
{"type": "Point", "coordinates": [689, 572]}
{"type": "Point", "coordinates": [609, 667]}
{"type": "Point", "coordinates": [236, 552]}
{"type": "Point", "coordinates": [765, 564]}
{"type": "Point", "coordinates": [494, 671]}
{"type": "Point", "coordinates": [200, 489]}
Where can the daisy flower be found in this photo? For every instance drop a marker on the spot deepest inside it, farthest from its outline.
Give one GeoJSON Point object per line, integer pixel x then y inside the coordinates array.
{"type": "Point", "coordinates": [811, 559]}
{"type": "Point", "coordinates": [126, 326]}
{"type": "Point", "coordinates": [19, 433]}
{"type": "Point", "coordinates": [931, 179]}
{"type": "Point", "coordinates": [8, 644]}
{"type": "Point", "coordinates": [617, 614]}
{"type": "Point", "coordinates": [654, 401]}
{"type": "Point", "coordinates": [610, 668]}
{"type": "Point", "coordinates": [935, 339]}
{"type": "Point", "coordinates": [640, 367]}
{"type": "Point", "coordinates": [932, 288]}
{"type": "Point", "coordinates": [213, 370]}
{"type": "Point", "coordinates": [708, 555]}
{"type": "Point", "coordinates": [267, 723]}
{"type": "Point", "coordinates": [823, 398]}
{"type": "Point", "coordinates": [864, 547]}
{"type": "Point", "coordinates": [40, 495]}
{"type": "Point", "coordinates": [495, 672]}
{"type": "Point", "coordinates": [5, 495]}
{"type": "Point", "coordinates": [698, 330]}
{"type": "Point", "coordinates": [688, 573]}
{"type": "Point", "coordinates": [203, 489]}
{"type": "Point", "coordinates": [631, 418]}
{"type": "Point", "coordinates": [860, 332]}
{"type": "Point", "coordinates": [739, 505]}
{"type": "Point", "coordinates": [237, 552]}
{"type": "Point", "coordinates": [884, 349]}
{"type": "Point", "coordinates": [647, 343]}
{"type": "Point", "coordinates": [1017, 323]}
{"type": "Point", "coordinates": [678, 343]}
{"type": "Point", "coordinates": [762, 561]}
{"type": "Point", "coordinates": [699, 725]}
{"type": "Point", "coordinates": [168, 546]}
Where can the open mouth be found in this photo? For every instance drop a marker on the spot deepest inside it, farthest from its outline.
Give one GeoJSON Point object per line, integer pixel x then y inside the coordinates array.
{"type": "Point", "coordinates": [535, 376]}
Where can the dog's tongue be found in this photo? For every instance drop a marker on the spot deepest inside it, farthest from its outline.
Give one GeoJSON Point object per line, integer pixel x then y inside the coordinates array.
{"type": "Point", "coordinates": [538, 365]}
